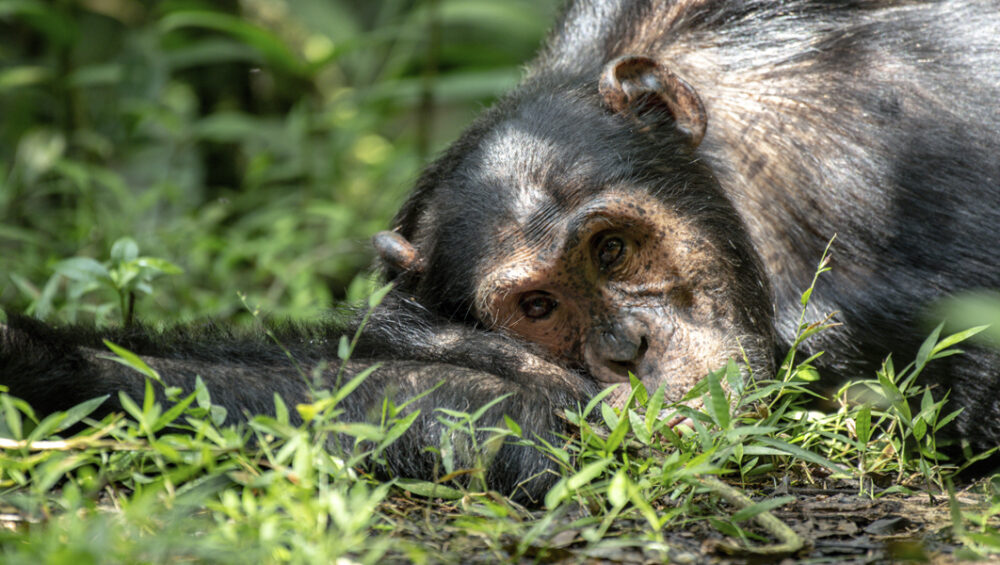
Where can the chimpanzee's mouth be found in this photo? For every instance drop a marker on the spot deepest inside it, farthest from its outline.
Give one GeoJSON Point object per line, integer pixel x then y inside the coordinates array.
{"type": "Point", "coordinates": [619, 370]}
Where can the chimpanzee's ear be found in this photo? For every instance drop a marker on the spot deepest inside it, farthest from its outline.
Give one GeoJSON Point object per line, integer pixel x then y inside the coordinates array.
{"type": "Point", "coordinates": [637, 85]}
{"type": "Point", "coordinates": [397, 253]}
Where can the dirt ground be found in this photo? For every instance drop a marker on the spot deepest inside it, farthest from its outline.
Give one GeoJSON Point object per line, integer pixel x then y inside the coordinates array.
{"type": "Point", "coordinates": [838, 524]}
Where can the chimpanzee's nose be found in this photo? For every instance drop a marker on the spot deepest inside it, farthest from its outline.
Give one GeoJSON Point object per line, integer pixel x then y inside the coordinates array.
{"type": "Point", "coordinates": [621, 347]}
{"type": "Point", "coordinates": [616, 349]}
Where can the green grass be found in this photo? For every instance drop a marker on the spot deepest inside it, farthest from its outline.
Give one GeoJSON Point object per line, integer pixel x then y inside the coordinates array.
{"type": "Point", "coordinates": [255, 147]}
{"type": "Point", "coordinates": [167, 484]}
{"type": "Point", "coordinates": [258, 145]}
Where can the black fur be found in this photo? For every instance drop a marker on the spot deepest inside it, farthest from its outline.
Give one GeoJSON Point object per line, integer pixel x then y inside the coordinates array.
{"type": "Point", "coordinates": [874, 120]}
{"type": "Point", "coordinates": [55, 368]}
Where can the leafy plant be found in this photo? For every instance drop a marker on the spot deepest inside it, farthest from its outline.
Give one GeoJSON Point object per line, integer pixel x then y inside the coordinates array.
{"type": "Point", "coordinates": [126, 273]}
{"type": "Point", "coordinates": [277, 498]}
{"type": "Point", "coordinates": [260, 144]}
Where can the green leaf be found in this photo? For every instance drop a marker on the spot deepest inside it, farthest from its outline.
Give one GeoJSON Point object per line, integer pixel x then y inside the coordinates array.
{"type": "Point", "coordinates": [919, 429]}
{"type": "Point", "coordinates": [638, 426]}
{"type": "Point", "coordinates": [173, 412]}
{"type": "Point", "coordinates": [697, 390]}
{"type": "Point", "coordinates": [429, 490]}
{"type": "Point", "coordinates": [761, 450]}
{"type": "Point", "coordinates": [269, 45]}
{"type": "Point", "coordinates": [734, 377]}
{"type": "Point", "coordinates": [653, 408]}
{"type": "Point", "coordinates": [800, 453]}
{"type": "Point", "coordinates": [280, 409]}
{"type": "Point", "coordinates": [23, 75]}
{"type": "Point", "coordinates": [638, 390]}
{"type": "Point", "coordinates": [398, 428]}
{"type": "Point", "coordinates": [218, 414]}
{"type": "Point", "coordinates": [618, 489]}
{"type": "Point", "coordinates": [376, 297]}
{"type": "Point", "coordinates": [926, 402]}
{"type": "Point", "coordinates": [512, 426]}
{"type": "Point", "coordinates": [129, 405]}
{"type": "Point", "coordinates": [229, 127]}
{"type": "Point", "coordinates": [475, 416]}
{"type": "Point", "coordinates": [308, 411]}
{"type": "Point", "coordinates": [148, 397]}
{"type": "Point", "coordinates": [717, 404]}
{"type": "Point", "coordinates": [124, 250]}
{"type": "Point", "coordinates": [566, 486]}
{"type": "Point", "coordinates": [361, 431]}
{"type": "Point", "coordinates": [863, 424]}
{"type": "Point", "coordinates": [750, 431]}
{"type": "Point", "coordinates": [894, 396]}
{"type": "Point", "coordinates": [103, 74]}
{"type": "Point", "coordinates": [55, 469]}
{"type": "Point", "coordinates": [129, 359]}
{"type": "Point", "coordinates": [123, 275]}
{"type": "Point", "coordinates": [944, 421]}
{"type": "Point", "coordinates": [344, 348]}
{"type": "Point", "coordinates": [927, 347]}
{"type": "Point", "coordinates": [12, 416]}
{"type": "Point", "coordinates": [617, 435]}
{"type": "Point", "coordinates": [610, 418]}
{"type": "Point", "coordinates": [446, 449]}
{"type": "Point", "coordinates": [938, 350]}
{"type": "Point", "coordinates": [80, 411]}
{"type": "Point", "coordinates": [761, 507]}
{"type": "Point", "coordinates": [202, 395]}
{"type": "Point", "coordinates": [211, 51]}
{"type": "Point", "coordinates": [495, 18]}
{"type": "Point", "coordinates": [354, 383]}
{"type": "Point", "coordinates": [158, 265]}
{"type": "Point", "coordinates": [598, 398]}
{"type": "Point", "coordinates": [957, 521]}
{"type": "Point", "coordinates": [82, 269]}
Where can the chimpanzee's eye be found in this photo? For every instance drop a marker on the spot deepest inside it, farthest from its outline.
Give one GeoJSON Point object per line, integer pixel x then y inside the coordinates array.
{"type": "Point", "coordinates": [538, 304]}
{"type": "Point", "coordinates": [609, 251]}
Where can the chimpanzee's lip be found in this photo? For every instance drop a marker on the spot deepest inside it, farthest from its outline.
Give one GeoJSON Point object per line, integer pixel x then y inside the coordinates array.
{"type": "Point", "coordinates": [608, 381]}
{"type": "Point", "coordinates": [618, 372]}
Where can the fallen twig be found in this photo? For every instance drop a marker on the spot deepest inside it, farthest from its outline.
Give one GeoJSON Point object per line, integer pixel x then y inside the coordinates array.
{"type": "Point", "coordinates": [789, 543]}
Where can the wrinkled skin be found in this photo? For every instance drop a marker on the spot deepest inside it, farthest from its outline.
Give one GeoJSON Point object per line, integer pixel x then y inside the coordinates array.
{"type": "Point", "coordinates": [622, 285]}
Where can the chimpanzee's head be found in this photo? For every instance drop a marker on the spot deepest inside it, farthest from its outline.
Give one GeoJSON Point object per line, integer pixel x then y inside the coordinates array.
{"type": "Point", "coordinates": [576, 215]}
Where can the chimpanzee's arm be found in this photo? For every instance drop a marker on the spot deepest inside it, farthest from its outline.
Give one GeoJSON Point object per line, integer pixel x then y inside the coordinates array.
{"type": "Point", "coordinates": [56, 368]}
{"type": "Point", "coordinates": [514, 470]}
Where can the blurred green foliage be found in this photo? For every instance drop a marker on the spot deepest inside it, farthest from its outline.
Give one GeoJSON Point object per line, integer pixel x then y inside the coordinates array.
{"type": "Point", "coordinates": [256, 144]}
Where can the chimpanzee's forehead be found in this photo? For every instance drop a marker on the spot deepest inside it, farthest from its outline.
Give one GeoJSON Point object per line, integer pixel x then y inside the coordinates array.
{"type": "Point", "coordinates": [528, 172]}
{"type": "Point", "coordinates": [549, 156]}
{"type": "Point", "coordinates": [535, 171]}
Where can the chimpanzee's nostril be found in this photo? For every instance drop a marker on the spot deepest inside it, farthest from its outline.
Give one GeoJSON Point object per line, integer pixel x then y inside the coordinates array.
{"type": "Point", "coordinates": [609, 337]}
{"type": "Point", "coordinates": [643, 347]}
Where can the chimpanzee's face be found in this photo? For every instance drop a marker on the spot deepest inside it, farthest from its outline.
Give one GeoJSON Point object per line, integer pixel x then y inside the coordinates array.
{"type": "Point", "coordinates": [615, 280]}
{"type": "Point", "coordinates": [601, 239]}
{"type": "Point", "coordinates": [619, 283]}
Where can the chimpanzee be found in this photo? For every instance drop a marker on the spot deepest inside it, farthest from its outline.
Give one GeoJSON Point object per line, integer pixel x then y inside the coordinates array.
{"type": "Point", "coordinates": [653, 198]}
